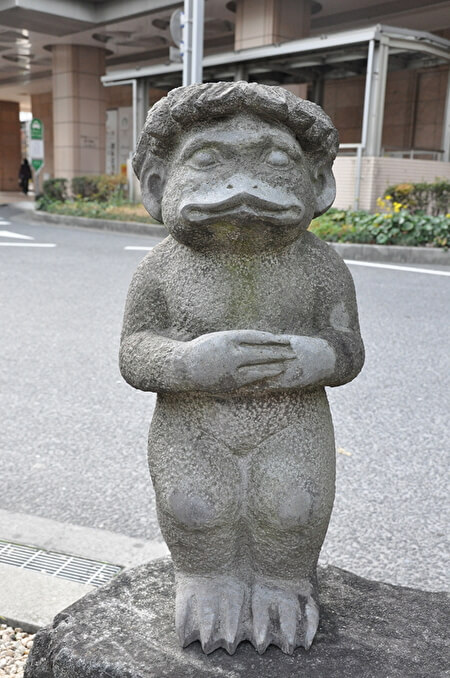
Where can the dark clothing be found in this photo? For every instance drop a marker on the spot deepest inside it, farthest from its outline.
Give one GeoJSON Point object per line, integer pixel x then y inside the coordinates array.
{"type": "Point", "coordinates": [24, 176]}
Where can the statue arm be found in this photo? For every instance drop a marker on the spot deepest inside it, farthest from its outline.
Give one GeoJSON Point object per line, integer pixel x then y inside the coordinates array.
{"type": "Point", "coordinates": [147, 357]}
{"type": "Point", "coordinates": [334, 354]}
{"type": "Point", "coordinates": [340, 328]}
{"type": "Point", "coordinates": [223, 361]}
{"type": "Point", "coordinates": [348, 349]}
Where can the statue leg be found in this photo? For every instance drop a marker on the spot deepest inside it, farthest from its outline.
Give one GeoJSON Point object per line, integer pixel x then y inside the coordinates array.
{"type": "Point", "coordinates": [196, 483]}
{"type": "Point", "coordinates": [291, 493]}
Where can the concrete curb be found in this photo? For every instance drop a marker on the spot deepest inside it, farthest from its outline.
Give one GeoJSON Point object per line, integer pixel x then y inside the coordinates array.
{"type": "Point", "coordinates": [102, 224]}
{"type": "Point", "coordinates": [393, 254]}
{"type": "Point", "coordinates": [378, 253]}
{"type": "Point", "coordinates": [31, 599]}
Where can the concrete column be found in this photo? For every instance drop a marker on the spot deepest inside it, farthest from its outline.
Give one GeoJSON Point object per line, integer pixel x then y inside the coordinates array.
{"type": "Point", "coordinates": [266, 22]}
{"type": "Point", "coordinates": [9, 146]}
{"type": "Point", "coordinates": [42, 108]}
{"type": "Point", "coordinates": [79, 113]}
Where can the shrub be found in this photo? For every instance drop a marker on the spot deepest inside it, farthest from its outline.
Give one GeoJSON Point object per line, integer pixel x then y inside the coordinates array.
{"type": "Point", "coordinates": [55, 189]}
{"type": "Point", "coordinates": [85, 186]}
{"type": "Point", "coordinates": [429, 198]}
{"type": "Point", "coordinates": [101, 187]}
{"type": "Point", "coordinates": [398, 227]}
{"type": "Point", "coordinates": [112, 186]}
{"type": "Point", "coordinates": [121, 211]}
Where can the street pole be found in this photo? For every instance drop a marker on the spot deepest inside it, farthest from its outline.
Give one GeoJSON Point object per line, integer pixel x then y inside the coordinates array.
{"type": "Point", "coordinates": [198, 18]}
{"type": "Point", "coordinates": [192, 41]}
{"type": "Point", "coordinates": [187, 42]}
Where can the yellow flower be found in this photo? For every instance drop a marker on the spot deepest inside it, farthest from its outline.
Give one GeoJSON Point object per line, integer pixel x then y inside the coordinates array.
{"type": "Point", "coordinates": [388, 197]}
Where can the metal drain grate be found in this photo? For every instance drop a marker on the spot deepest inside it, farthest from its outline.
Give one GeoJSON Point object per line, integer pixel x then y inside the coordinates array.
{"type": "Point", "coordinates": [73, 568]}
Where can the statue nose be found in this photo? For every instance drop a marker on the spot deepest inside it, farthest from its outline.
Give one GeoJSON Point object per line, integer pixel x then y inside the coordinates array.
{"type": "Point", "coordinates": [242, 183]}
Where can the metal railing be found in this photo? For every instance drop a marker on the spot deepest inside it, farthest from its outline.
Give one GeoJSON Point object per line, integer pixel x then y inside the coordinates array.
{"type": "Point", "coordinates": [412, 153]}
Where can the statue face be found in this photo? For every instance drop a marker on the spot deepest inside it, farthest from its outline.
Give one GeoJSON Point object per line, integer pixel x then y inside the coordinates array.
{"type": "Point", "coordinates": [238, 184]}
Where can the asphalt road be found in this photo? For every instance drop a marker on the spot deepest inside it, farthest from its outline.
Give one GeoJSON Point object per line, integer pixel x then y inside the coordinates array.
{"type": "Point", "coordinates": [73, 434]}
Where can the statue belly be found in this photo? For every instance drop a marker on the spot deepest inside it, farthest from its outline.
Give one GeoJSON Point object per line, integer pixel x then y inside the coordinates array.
{"type": "Point", "coordinates": [241, 423]}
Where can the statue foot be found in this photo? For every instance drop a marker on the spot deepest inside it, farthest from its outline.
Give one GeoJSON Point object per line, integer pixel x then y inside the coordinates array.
{"type": "Point", "coordinates": [211, 610]}
{"type": "Point", "coordinates": [284, 613]}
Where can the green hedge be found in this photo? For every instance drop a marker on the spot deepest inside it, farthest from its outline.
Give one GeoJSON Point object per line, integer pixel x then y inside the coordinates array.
{"type": "Point", "coordinates": [101, 187]}
{"type": "Point", "coordinates": [400, 227]}
{"type": "Point", "coordinates": [55, 189]}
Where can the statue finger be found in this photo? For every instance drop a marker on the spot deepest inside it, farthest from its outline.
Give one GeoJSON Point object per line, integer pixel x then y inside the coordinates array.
{"type": "Point", "coordinates": [252, 374]}
{"type": "Point", "coordinates": [249, 358]}
{"type": "Point", "coordinates": [255, 337]}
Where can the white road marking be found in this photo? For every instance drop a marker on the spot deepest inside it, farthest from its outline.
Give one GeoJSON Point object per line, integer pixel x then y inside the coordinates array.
{"type": "Point", "coordinates": [133, 247]}
{"type": "Point", "coordinates": [409, 269]}
{"type": "Point", "coordinates": [11, 234]}
{"type": "Point", "coordinates": [4, 223]}
{"type": "Point", "coordinates": [27, 244]}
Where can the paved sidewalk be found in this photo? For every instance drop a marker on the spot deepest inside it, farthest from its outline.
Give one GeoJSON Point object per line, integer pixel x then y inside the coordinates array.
{"type": "Point", "coordinates": [17, 199]}
{"type": "Point", "coordinates": [30, 598]}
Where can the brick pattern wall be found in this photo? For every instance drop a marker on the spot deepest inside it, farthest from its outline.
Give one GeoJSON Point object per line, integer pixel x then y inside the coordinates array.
{"type": "Point", "coordinates": [116, 97]}
{"type": "Point", "coordinates": [431, 89]}
{"type": "Point", "coordinates": [343, 101]}
{"type": "Point", "coordinates": [121, 95]}
{"type": "Point", "coordinates": [414, 108]}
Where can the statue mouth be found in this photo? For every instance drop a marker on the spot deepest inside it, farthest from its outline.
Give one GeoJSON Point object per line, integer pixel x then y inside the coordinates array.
{"type": "Point", "coordinates": [243, 207]}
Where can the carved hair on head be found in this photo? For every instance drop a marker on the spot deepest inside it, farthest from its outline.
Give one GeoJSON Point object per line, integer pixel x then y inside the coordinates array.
{"type": "Point", "coordinates": [185, 106]}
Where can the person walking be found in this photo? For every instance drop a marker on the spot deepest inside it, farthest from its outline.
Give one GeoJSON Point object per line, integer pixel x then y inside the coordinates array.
{"type": "Point", "coordinates": [24, 175]}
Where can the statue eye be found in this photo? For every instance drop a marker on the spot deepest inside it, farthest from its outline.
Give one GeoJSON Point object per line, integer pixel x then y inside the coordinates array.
{"type": "Point", "coordinates": [203, 159]}
{"type": "Point", "coordinates": [278, 158]}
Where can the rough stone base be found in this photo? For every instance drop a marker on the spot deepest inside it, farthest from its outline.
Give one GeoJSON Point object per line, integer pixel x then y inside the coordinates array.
{"type": "Point", "coordinates": [126, 630]}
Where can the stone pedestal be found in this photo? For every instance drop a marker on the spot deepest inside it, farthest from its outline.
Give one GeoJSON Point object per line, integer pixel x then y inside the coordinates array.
{"type": "Point", "coordinates": [126, 630]}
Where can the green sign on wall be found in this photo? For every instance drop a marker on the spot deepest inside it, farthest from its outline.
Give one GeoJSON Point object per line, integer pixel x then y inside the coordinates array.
{"type": "Point", "coordinates": [37, 144]}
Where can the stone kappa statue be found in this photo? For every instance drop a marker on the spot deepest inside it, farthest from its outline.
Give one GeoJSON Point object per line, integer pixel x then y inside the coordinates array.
{"type": "Point", "coordinates": [238, 320]}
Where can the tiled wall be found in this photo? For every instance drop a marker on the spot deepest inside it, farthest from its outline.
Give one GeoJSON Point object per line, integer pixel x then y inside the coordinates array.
{"type": "Point", "coordinates": [265, 22]}
{"type": "Point", "coordinates": [9, 145]}
{"type": "Point", "coordinates": [379, 173]}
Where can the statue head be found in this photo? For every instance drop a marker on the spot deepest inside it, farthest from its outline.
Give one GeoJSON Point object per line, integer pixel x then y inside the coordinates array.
{"type": "Point", "coordinates": [236, 166]}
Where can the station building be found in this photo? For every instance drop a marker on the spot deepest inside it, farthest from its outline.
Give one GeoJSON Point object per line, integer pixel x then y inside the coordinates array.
{"type": "Point", "coordinates": [89, 70]}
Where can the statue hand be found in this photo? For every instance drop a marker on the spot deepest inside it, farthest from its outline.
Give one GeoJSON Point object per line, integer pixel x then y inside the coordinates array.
{"type": "Point", "coordinates": [229, 360]}
{"type": "Point", "coordinates": [314, 361]}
